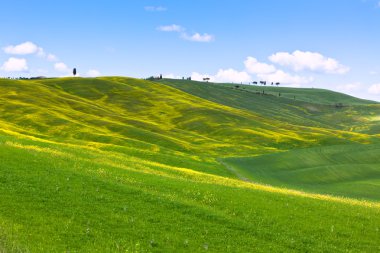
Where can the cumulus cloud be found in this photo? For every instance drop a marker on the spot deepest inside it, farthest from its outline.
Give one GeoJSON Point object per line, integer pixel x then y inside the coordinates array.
{"type": "Point", "coordinates": [170, 28]}
{"type": "Point", "coordinates": [61, 67]}
{"type": "Point", "coordinates": [270, 73]}
{"type": "Point", "coordinates": [22, 49]}
{"type": "Point", "coordinates": [41, 53]}
{"type": "Point", "coordinates": [255, 67]}
{"type": "Point", "coordinates": [231, 75]}
{"type": "Point", "coordinates": [374, 89]}
{"type": "Point", "coordinates": [199, 77]}
{"type": "Point", "coordinates": [51, 57]}
{"type": "Point", "coordinates": [299, 60]}
{"type": "Point", "coordinates": [155, 8]}
{"type": "Point", "coordinates": [285, 78]}
{"type": "Point", "coordinates": [171, 76]}
{"type": "Point", "coordinates": [261, 70]}
{"type": "Point", "coordinates": [15, 65]}
{"type": "Point", "coordinates": [197, 37]}
{"type": "Point", "coordinates": [350, 87]}
{"type": "Point", "coordinates": [93, 73]}
{"type": "Point", "coordinates": [28, 48]}
{"type": "Point", "coordinates": [224, 75]}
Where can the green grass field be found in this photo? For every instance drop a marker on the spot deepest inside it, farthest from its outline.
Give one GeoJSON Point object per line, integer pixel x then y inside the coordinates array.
{"type": "Point", "coordinates": [116, 164]}
{"type": "Point", "coordinates": [348, 170]}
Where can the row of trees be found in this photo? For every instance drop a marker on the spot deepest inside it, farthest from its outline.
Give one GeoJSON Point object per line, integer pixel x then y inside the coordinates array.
{"type": "Point", "coordinates": [154, 77]}
{"type": "Point", "coordinates": [24, 78]}
{"type": "Point", "coordinates": [265, 83]}
{"type": "Point", "coordinates": [34, 77]}
{"type": "Point", "coordinates": [160, 77]}
{"type": "Point", "coordinates": [207, 79]}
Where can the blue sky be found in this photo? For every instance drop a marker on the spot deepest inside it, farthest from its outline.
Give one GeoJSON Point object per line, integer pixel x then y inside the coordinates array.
{"type": "Point", "coordinates": [330, 44]}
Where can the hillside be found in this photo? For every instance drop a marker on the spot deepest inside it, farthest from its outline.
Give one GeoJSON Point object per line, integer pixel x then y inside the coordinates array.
{"type": "Point", "coordinates": [311, 107]}
{"type": "Point", "coordinates": [126, 165]}
{"type": "Point", "coordinates": [348, 170]}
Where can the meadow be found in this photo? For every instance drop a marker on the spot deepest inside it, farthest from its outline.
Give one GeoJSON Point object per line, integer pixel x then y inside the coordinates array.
{"type": "Point", "coordinates": [115, 164]}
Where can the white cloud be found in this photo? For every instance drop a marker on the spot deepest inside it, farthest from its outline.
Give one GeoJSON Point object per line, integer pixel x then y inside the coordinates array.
{"type": "Point", "coordinates": [350, 87]}
{"type": "Point", "coordinates": [93, 73]}
{"type": "Point", "coordinates": [197, 37]}
{"type": "Point", "coordinates": [199, 77]}
{"type": "Point", "coordinates": [22, 49]}
{"type": "Point", "coordinates": [263, 71]}
{"type": "Point", "coordinates": [224, 75]}
{"type": "Point", "coordinates": [61, 67]}
{"type": "Point", "coordinates": [155, 8]}
{"type": "Point", "coordinates": [374, 89]}
{"type": "Point", "coordinates": [51, 57]}
{"type": "Point", "coordinates": [41, 53]}
{"type": "Point", "coordinates": [231, 75]}
{"type": "Point", "coordinates": [171, 76]}
{"type": "Point", "coordinates": [285, 78]}
{"type": "Point", "coordinates": [27, 48]}
{"type": "Point", "coordinates": [299, 61]}
{"type": "Point", "coordinates": [170, 28]}
{"type": "Point", "coordinates": [255, 67]}
{"type": "Point", "coordinates": [14, 65]}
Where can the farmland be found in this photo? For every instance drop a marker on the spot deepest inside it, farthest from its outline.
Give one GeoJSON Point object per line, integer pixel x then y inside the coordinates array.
{"type": "Point", "coordinates": [128, 165]}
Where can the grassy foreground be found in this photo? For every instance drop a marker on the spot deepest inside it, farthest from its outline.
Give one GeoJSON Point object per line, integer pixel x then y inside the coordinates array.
{"type": "Point", "coordinates": [125, 165]}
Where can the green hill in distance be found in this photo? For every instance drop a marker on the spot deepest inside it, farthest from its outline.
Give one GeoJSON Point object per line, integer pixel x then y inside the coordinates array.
{"type": "Point", "coordinates": [116, 164]}
{"type": "Point", "coordinates": [312, 107]}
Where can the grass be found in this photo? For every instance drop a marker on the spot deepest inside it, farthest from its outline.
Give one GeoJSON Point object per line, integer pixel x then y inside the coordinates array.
{"type": "Point", "coordinates": [117, 164]}
{"type": "Point", "coordinates": [349, 170]}
{"type": "Point", "coordinates": [312, 107]}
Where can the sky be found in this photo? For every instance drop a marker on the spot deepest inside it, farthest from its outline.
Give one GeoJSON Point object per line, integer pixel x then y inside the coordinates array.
{"type": "Point", "coordinates": [332, 44]}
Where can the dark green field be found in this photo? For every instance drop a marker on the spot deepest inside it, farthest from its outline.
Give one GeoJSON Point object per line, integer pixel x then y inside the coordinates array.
{"type": "Point", "coordinates": [116, 164]}
{"type": "Point", "coordinates": [344, 170]}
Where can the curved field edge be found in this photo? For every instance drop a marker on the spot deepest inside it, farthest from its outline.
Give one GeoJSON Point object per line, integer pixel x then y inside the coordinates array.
{"type": "Point", "coordinates": [106, 202]}
{"type": "Point", "coordinates": [311, 107]}
{"type": "Point", "coordinates": [345, 170]}
{"type": "Point", "coordinates": [119, 164]}
{"type": "Point", "coordinates": [164, 170]}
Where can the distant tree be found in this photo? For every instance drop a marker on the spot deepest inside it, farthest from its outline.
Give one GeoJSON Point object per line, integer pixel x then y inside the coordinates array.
{"type": "Point", "coordinates": [206, 79]}
{"type": "Point", "coordinates": [237, 86]}
{"type": "Point", "coordinates": [279, 94]}
{"type": "Point", "coordinates": [277, 84]}
{"type": "Point", "coordinates": [160, 76]}
{"type": "Point", "coordinates": [74, 71]}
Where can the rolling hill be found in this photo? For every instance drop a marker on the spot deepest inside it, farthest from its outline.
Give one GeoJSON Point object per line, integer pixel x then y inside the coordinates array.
{"type": "Point", "coordinates": [115, 164]}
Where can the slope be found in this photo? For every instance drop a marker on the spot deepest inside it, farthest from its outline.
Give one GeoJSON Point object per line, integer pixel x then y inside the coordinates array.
{"type": "Point", "coordinates": [126, 165]}
{"type": "Point", "coordinates": [349, 170]}
{"type": "Point", "coordinates": [62, 197]}
{"type": "Point", "coordinates": [312, 107]}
